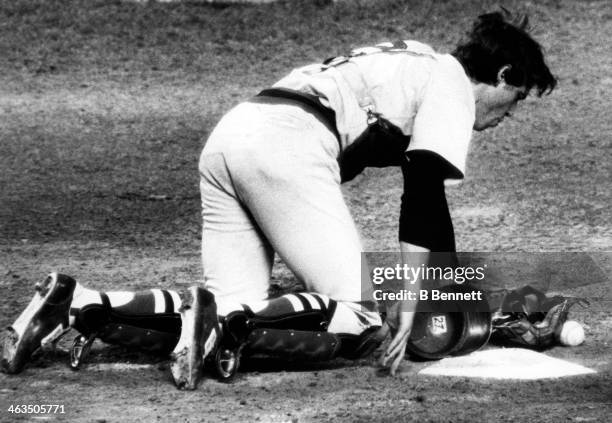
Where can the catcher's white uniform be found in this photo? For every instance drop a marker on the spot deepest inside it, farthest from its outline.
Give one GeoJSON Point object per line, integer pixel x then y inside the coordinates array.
{"type": "Point", "coordinates": [270, 178]}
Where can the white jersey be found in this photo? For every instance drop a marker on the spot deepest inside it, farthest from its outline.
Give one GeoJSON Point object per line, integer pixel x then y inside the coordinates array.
{"type": "Point", "coordinates": [425, 94]}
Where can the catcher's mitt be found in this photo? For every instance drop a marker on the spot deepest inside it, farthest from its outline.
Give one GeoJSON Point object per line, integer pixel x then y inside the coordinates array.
{"type": "Point", "coordinates": [527, 317]}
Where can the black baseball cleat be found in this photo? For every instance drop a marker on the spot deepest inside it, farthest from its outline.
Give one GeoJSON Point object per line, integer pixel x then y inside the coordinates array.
{"type": "Point", "coordinates": [40, 325]}
{"type": "Point", "coordinates": [200, 335]}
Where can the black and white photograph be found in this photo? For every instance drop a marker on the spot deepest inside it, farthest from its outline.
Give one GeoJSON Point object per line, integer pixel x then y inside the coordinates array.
{"type": "Point", "coordinates": [292, 211]}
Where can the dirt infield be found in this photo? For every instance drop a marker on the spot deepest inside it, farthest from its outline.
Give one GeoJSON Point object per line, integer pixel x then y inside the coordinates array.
{"type": "Point", "coordinates": [104, 108]}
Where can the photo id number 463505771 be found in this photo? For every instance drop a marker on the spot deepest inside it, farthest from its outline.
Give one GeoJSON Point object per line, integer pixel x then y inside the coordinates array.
{"type": "Point", "coordinates": [36, 409]}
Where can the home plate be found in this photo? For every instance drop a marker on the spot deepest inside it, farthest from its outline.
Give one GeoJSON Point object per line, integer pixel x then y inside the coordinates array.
{"type": "Point", "coordinates": [506, 363]}
{"type": "Point", "coordinates": [119, 366]}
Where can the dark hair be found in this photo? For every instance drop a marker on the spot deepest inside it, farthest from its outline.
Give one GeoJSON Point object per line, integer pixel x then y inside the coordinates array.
{"type": "Point", "coordinates": [495, 42]}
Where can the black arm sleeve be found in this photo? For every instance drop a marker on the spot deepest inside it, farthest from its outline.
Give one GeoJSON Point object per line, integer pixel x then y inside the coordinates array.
{"type": "Point", "coordinates": [424, 218]}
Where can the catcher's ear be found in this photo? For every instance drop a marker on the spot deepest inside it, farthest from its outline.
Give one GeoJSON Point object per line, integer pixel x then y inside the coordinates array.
{"type": "Point", "coordinates": [503, 73]}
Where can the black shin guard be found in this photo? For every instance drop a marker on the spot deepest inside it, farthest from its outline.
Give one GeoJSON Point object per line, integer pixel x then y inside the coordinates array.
{"type": "Point", "coordinates": [295, 345]}
{"type": "Point", "coordinates": [362, 345]}
{"type": "Point", "coordinates": [296, 336]}
{"type": "Point", "coordinates": [153, 332]}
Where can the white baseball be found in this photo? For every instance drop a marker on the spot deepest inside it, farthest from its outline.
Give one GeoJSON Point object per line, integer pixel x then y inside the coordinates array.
{"type": "Point", "coordinates": [572, 334]}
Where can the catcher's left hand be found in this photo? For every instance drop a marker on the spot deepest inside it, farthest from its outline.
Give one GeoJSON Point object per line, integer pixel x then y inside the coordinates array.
{"type": "Point", "coordinates": [399, 323]}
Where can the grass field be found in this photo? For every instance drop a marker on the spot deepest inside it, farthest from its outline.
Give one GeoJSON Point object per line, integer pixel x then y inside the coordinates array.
{"type": "Point", "coordinates": [105, 106]}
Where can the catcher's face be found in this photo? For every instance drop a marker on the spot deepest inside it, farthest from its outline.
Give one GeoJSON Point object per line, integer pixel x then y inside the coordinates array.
{"type": "Point", "coordinates": [495, 103]}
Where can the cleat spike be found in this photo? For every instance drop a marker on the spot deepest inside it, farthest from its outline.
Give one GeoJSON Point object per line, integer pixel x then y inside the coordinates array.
{"type": "Point", "coordinates": [40, 325]}
{"type": "Point", "coordinates": [80, 350]}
